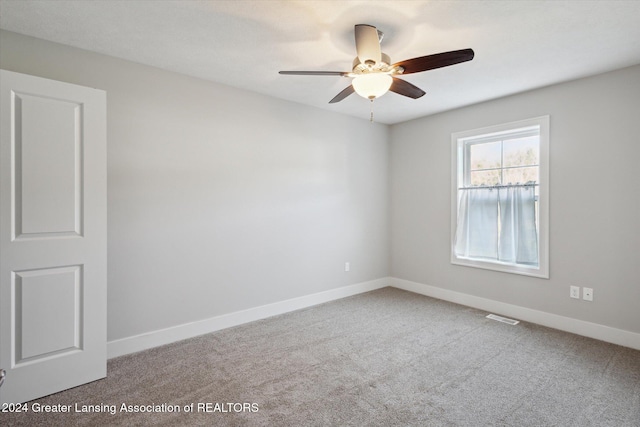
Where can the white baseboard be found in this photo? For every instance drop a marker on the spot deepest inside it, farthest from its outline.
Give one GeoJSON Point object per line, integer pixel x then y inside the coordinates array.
{"type": "Point", "coordinates": [176, 333]}
{"type": "Point", "coordinates": [188, 330]}
{"type": "Point", "coordinates": [567, 324]}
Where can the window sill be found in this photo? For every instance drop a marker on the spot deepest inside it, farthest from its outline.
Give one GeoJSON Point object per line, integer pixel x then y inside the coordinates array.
{"type": "Point", "coordinates": [503, 267]}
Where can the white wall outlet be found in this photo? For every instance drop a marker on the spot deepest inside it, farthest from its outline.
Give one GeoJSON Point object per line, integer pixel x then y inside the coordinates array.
{"type": "Point", "coordinates": [347, 266]}
{"type": "Point", "coordinates": [574, 292]}
{"type": "Point", "coordinates": [587, 294]}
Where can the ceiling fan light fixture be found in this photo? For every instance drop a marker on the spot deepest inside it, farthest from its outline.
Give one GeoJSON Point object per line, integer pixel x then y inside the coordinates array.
{"type": "Point", "coordinates": [372, 85]}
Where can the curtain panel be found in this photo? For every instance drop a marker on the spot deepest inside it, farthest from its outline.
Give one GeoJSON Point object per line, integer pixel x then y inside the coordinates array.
{"type": "Point", "coordinates": [498, 224]}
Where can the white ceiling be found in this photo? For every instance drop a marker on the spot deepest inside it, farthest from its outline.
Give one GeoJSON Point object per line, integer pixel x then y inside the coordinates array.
{"type": "Point", "coordinates": [519, 45]}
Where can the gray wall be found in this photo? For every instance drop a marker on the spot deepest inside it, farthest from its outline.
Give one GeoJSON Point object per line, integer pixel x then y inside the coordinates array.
{"type": "Point", "coordinates": [220, 199]}
{"type": "Point", "coordinates": [594, 199]}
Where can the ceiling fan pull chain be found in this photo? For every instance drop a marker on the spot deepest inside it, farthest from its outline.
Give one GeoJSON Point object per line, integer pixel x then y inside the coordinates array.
{"type": "Point", "coordinates": [371, 118]}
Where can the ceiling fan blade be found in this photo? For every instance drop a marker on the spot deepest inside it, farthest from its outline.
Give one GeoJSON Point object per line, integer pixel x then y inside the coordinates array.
{"type": "Point", "coordinates": [315, 73]}
{"type": "Point", "coordinates": [342, 95]}
{"type": "Point", "coordinates": [438, 60]}
{"type": "Point", "coordinates": [405, 88]}
{"type": "Point", "coordinates": [367, 43]}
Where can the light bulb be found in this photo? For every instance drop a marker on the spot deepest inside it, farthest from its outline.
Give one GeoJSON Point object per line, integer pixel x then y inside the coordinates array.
{"type": "Point", "coordinates": [372, 85]}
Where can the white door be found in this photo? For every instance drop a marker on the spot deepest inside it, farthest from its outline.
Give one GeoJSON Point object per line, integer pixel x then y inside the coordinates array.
{"type": "Point", "coordinates": [53, 241]}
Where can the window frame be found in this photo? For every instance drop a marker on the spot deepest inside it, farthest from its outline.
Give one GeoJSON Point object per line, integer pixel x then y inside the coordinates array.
{"type": "Point", "coordinates": [458, 157]}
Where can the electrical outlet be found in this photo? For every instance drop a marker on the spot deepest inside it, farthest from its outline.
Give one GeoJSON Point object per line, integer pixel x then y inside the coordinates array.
{"type": "Point", "coordinates": [347, 266]}
{"type": "Point", "coordinates": [587, 294]}
{"type": "Point", "coordinates": [574, 292]}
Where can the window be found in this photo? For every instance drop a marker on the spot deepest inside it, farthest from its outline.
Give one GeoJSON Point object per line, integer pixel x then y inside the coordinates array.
{"type": "Point", "coordinates": [499, 197]}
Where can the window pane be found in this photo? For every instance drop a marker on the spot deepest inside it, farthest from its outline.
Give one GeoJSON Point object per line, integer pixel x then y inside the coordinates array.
{"type": "Point", "coordinates": [520, 175]}
{"type": "Point", "coordinates": [521, 151]}
{"type": "Point", "coordinates": [485, 177]}
{"type": "Point", "coordinates": [485, 156]}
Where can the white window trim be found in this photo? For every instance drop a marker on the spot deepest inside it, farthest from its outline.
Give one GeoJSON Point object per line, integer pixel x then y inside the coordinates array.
{"type": "Point", "coordinates": [457, 145]}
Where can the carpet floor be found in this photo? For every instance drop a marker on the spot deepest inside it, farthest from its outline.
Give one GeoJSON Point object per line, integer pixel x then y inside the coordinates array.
{"type": "Point", "coordinates": [383, 358]}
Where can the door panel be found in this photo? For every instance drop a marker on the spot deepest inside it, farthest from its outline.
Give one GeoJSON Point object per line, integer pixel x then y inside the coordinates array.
{"type": "Point", "coordinates": [48, 307]}
{"type": "Point", "coordinates": [52, 236]}
{"type": "Point", "coordinates": [47, 167]}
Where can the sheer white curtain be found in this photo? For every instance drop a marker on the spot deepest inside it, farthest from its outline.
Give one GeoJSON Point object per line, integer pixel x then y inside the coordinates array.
{"type": "Point", "coordinates": [518, 234]}
{"type": "Point", "coordinates": [497, 223]}
{"type": "Point", "coordinates": [477, 231]}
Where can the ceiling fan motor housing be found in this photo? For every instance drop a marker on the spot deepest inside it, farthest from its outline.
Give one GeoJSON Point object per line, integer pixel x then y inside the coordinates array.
{"type": "Point", "coordinates": [371, 66]}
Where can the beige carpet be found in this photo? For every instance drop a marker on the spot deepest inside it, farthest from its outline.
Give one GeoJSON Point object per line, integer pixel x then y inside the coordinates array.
{"type": "Point", "coordinates": [384, 358]}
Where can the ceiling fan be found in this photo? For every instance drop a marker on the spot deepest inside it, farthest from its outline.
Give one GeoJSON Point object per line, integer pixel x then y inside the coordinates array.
{"type": "Point", "coordinates": [373, 76]}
